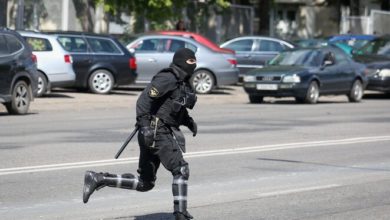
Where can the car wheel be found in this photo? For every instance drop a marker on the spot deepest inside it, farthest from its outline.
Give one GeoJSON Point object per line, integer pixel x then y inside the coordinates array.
{"type": "Point", "coordinates": [20, 99]}
{"type": "Point", "coordinates": [255, 99]}
{"type": "Point", "coordinates": [101, 82]}
{"type": "Point", "coordinates": [313, 93]}
{"type": "Point", "coordinates": [202, 81]}
{"type": "Point", "coordinates": [356, 93]}
{"type": "Point", "coordinates": [42, 84]}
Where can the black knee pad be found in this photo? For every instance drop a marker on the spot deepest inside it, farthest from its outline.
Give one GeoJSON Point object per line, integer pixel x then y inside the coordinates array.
{"type": "Point", "coordinates": [183, 171]}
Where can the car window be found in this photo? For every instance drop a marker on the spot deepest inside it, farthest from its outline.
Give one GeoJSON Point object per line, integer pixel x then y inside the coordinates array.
{"type": "Point", "coordinates": [39, 44]}
{"type": "Point", "coordinates": [100, 45]}
{"type": "Point", "coordinates": [73, 44]}
{"type": "Point", "coordinates": [268, 45]}
{"type": "Point", "coordinates": [304, 57]}
{"type": "Point", "coordinates": [3, 46]}
{"type": "Point", "coordinates": [14, 44]}
{"type": "Point", "coordinates": [240, 45]}
{"type": "Point", "coordinates": [172, 45]}
{"type": "Point", "coordinates": [341, 57]}
{"type": "Point", "coordinates": [147, 45]}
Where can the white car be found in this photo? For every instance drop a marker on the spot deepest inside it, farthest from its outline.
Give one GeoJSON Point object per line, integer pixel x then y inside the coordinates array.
{"type": "Point", "coordinates": [53, 62]}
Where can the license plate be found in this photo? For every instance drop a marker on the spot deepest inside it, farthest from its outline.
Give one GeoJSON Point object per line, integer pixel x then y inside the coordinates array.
{"type": "Point", "coordinates": [267, 86]}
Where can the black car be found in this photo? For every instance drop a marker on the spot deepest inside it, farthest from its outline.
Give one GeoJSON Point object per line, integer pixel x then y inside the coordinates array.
{"type": "Point", "coordinates": [306, 74]}
{"type": "Point", "coordinates": [100, 62]}
{"type": "Point", "coordinates": [376, 55]}
{"type": "Point", "coordinates": [18, 72]}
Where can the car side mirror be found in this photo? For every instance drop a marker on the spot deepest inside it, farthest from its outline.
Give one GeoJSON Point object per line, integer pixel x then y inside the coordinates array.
{"type": "Point", "coordinates": [132, 50]}
{"type": "Point", "coordinates": [328, 63]}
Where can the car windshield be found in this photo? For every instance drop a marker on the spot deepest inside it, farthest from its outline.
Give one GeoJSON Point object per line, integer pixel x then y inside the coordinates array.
{"type": "Point", "coordinates": [297, 58]}
{"type": "Point", "coordinates": [379, 46]}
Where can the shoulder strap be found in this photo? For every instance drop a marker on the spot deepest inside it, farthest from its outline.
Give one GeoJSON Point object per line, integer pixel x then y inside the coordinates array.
{"type": "Point", "coordinates": [171, 70]}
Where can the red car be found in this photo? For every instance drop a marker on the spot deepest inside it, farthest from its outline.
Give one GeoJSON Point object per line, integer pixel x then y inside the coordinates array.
{"type": "Point", "coordinates": [199, 38]}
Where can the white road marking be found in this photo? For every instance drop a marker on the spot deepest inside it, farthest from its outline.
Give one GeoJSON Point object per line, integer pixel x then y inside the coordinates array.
{"type": "Point", "coordinates": [298, 190]}
{"type": "Point", "coordinates": [228, 151]}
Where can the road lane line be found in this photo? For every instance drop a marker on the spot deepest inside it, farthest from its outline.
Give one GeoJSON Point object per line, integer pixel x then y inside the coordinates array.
{"type": "Point", "coordinates": [228, 151]}
{"type": "Point", "coordinates": [298, 190]}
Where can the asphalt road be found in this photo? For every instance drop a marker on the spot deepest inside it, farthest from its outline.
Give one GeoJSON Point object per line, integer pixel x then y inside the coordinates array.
{"type": "Point", "coordinates": [277, 160]}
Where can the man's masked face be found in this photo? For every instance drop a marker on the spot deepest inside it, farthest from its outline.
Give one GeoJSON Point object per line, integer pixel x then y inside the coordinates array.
{"type": "Point", "coordinates": [186, 60]}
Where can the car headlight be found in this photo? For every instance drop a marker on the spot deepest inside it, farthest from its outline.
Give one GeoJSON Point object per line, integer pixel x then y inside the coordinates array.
{"type": "Point", "coordinates": [291, 79]}
{"type": "Point", "coordinates": [384, 73]}
{"type": "Point", "coordinates": [249, 78]}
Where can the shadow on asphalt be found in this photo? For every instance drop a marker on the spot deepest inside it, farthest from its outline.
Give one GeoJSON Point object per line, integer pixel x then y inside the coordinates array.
{"type": "Point", "coordinates": [56, 95]}
{"type": "Point", "coordinates": [376, 96]}
{"type": "Point", "coordinates": [293, 102]}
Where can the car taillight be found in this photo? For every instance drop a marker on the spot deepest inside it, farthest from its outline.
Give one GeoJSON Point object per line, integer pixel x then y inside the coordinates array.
{"type": "Point", "coordinates": [233, 61]}
{"type": "Point", "coordinates": [133, 63]}
{"type": "Point", "coordinates": [68, 59]}
{"type": "Point", "coordinates": [34, 58]}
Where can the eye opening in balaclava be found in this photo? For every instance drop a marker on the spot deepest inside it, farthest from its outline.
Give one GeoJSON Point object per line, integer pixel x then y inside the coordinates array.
{"type": "Point", "coordinates": [180, 59]}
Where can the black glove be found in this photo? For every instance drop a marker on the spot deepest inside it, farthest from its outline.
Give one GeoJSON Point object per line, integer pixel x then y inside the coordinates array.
{"type": "Point", "coordinates": [193, 127]}
{"type": "Point", "coordinates": [146, 136]}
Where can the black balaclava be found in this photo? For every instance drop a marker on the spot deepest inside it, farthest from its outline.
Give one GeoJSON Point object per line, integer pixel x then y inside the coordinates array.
{"type": "Point", "coordinates": [179, 59]}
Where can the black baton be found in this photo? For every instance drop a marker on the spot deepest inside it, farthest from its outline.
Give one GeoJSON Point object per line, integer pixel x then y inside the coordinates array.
{"type": "Point", "coordinates": [127, 142]}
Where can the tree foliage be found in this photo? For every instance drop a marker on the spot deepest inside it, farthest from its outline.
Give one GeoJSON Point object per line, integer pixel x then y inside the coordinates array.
{"type": "Point", "coordinates": [155, 10]}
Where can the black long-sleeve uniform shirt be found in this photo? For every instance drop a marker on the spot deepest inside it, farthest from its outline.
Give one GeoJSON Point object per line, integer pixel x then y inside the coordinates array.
{"type": "Point", "coordinates": [158, 98]}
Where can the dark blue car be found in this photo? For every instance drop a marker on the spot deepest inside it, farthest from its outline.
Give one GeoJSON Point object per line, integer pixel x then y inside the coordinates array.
{"type": "Point", "coordinates": [306, 74]}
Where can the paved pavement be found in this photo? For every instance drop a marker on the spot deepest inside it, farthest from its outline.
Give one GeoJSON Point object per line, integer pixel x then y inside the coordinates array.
{"type": "Point", "coordinates": [277, 160]}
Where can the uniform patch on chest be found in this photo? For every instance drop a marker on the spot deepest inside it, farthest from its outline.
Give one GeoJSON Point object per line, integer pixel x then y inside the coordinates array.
{"type": "Point", "coordinates": [153, 92]}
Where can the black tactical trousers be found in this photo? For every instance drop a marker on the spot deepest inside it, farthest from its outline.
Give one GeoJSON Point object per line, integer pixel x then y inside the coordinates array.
{"type": "Point", "coordinates": [165, 151]}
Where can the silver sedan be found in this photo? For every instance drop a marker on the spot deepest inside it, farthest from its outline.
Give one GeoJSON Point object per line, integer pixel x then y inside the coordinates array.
{"type": "Point", "coordinates": [155, 52]}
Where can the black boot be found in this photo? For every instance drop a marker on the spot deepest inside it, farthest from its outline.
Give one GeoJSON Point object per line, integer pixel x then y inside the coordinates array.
{"type": "Point", "coordinates": [182, 216]}
{"type": "Point", "coordinates": [92, 182]}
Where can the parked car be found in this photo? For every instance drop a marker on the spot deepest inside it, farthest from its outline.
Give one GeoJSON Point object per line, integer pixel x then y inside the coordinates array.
{"type": "Point", "coordinates": [199, 38]}
{"type": "Point", "coordinates": [18, 72]}
{"type": "Point", "coordinates": [54, 63]}
{"type": "Point", "coordinates": [99, 61]}
{"type": "Point", "coordinates": [306, 74]}
{"type": "Point", "coordinates": [349, 42]}
{"type": "Point", "coordinates": [311, 42]}
{"type": "Point", "coordinates": [352, 40]}
{"type": "Point", "coordinates": [376, 55]}
{"type": "Point", "coordinates": [254, 52]}
{"type": "Point", "coordinates": [155, 52]}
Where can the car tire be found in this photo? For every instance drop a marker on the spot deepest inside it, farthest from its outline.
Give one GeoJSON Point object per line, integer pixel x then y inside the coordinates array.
{"type": "Point", "coordinates": [255, 99]}
{"type": "Point", "coordinates": [356, 93]}
{"type": "Point", "coordinates": [20, 99]}
{"type": "Point", "coordinates": [42, 84]}
{"type": "Point", "coordinates": [101, 81]}
{"type": "Point", "coordinates": [202, 81]}
{"type": "Point", "coordinates": [312, 93]}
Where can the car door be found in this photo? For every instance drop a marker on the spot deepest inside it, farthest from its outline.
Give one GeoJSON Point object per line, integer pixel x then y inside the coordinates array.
{"type": "Point", "coordinates": [328, 73]}
{"type": "Point", "coordinates": [81, 55]}
{"type": "Point", "coordinates": [244, 54]}
{"type": "Point", "coordinates": [149, 58]}
{"type": "Point", "coordinates": [6, 63]}
{"type": "Point", "coordinates": [264, 51]}
{"type": "Point", "coordinates": [345, 73]}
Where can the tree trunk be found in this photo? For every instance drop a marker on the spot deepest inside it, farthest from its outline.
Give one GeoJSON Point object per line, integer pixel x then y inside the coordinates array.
{"type": "Point", "coordinates": [264, 16]}
{"type": "Point", "coordinates": [3, 13]}
{"type": "Point", "coordinates": [355, 7]}
{"type": "Point", "coordinates": [385, 5]}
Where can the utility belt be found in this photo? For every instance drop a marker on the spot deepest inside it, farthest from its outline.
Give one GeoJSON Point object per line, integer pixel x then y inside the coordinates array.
{"type": "Point", "coordinates": [159, 126]}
